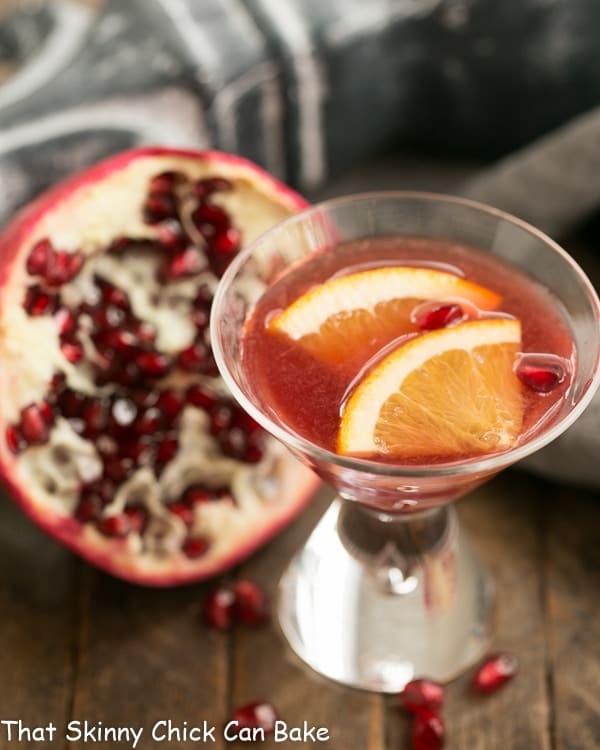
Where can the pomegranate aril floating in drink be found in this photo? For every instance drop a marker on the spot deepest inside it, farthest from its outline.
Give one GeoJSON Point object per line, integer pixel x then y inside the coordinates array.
{"type": "Point", "coordinates": [259, 715]}
{"type": "Point", "coordinates": [495, 672]}
{"type": "Point", "coordinates": [218, 608]}
{"type": "Point", "coordinates": [427, 731]}
{"type": "Point", "coordinates": [542, 373]}
{"type": "Point", "coordinates": [439, 316]}
{"type": "Point", "coordinates": [421, 693]}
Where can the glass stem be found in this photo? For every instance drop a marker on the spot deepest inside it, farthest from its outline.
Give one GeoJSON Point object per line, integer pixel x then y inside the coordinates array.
{"type": "Point", "coordinates": [394, 546]}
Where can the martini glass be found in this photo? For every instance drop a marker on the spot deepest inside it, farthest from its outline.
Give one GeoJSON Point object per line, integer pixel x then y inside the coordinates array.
{"type": "Point", "coordinates": [387, 588]}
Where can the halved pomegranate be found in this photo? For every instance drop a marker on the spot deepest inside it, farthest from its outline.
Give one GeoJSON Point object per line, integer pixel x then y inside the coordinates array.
{"type": "Point", "coordinates": [117, 434]}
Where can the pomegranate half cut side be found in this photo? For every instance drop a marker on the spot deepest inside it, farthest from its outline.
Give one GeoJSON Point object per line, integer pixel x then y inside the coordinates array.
{"type": "Point", "coordinates": [117, 434]}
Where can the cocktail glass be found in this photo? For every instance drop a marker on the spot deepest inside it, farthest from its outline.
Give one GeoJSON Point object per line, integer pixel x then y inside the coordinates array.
{"type": "Point", "coordinates": [387, 588]}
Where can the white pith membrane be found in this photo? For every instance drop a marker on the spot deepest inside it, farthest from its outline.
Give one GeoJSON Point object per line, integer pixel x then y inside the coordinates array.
{"type": "Point", "coordinates": [52, 474]}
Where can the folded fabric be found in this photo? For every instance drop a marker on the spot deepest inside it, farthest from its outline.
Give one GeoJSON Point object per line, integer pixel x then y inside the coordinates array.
{"type": "Point", "coordinates": [307, 88]}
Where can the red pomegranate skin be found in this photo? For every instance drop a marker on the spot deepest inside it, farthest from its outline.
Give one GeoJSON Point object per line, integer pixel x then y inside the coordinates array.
{"type": "Point", "coordinates": [114, 558]}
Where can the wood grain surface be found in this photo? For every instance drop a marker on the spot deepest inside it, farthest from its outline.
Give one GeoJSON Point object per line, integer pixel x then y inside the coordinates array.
{"type": "Point", "coordinates": [75, 643]}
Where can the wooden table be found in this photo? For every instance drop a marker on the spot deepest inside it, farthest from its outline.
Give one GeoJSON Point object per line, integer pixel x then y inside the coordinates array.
{"type": "Point", "coordinates": [75, 643]}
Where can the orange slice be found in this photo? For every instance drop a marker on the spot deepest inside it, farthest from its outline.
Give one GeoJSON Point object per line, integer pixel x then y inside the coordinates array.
{"type": "Point", "coordinates": [447, 393]}
{"type": "Point", "coordinates": [361, 312]}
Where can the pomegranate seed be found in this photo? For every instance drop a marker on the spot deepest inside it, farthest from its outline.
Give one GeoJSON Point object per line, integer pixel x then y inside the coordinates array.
{"type": "Point", "coordinates": [258, 715]}
{"type": "Point", "coordinates": [62, 267]}
{"type": "Point", "coordinates": [439, 317]}
{"type": "Point", "coordinates": [233, 442]}
{"type": "Point", "coordinates": [114, 526]}
{"type": "Point", "coordinates": [123, 412]}
{"type": "Point", "coordinates": [204, 297]}
{"type": "Point", "coordinates": [109, 317]}
{"type": "Point", "coordinates": [144, 399]}
{"type": "Point", "coordinates": [122, 342]}
{"type": "Point", "coordinates": [218, 608]}
{"type": "Point", "coordinates": [495, 672]}
{"type": "Point", "coordinates": [103, 489]}
{"type": "Point", "coordinates": [196, 496]}
{"type": "Point", "coordinates": [171, 403]}
{"type": "Point", "coordinates": [88, 509]}
{"type": "Point", "coordinates": [153, 364]}
{"type": "Point", "coordinates": [199, 395]}
{"type": "Point", "coordinates": [144, 332]}
{"type": "Point", "coordinates": [193, 358]}
{"type": "Point", "coordinates": [71, 403]}
{"type": "Point", "coordinates": [14, 439]}
{"type": "Point", "coordinates": [542, 379]}
{"type": "Point", "coordinates": [117, 469]}
{"type": "Point", "coordinates": [112, 295]}
{"type": "Point", "coordinates": [65, 320]}
{"type": "Point", "coordinates": [204, 188]}
{"type": "Point", "coordinates": [170, 234]}
{"type": "Point", "coordinates": [57, 383]}
{"type": "Point", "coordinates": [186, 262]}
{"type": "Point", "coordinates": [164, 182]}
{"type": "Point", "coordinates": [428, 731]}
{"type": "Point", "coordinates": [140, 453]}
{"type": "Point", "coordinates": [227, 242]}
{"type": "Point", "coordinates": [72, 351]}
{"type": "Point", "coordinates": [95, 414]}
{"type": "Point", "coordinates": [37, 260]}
{"type": "Point", "coordinates": [33, 426]}
{"type": "Point", "coordinates": [246, 423]}
{"type": "Point", "coordinates": [209, 213]}
{"type": "Point", "coordinates": [47, 412]}
{"type": "Point", "coordinates": [182, 511]}
{"type": "Point", "coordinates": [221, 418]}
{"type": "Point", "coordinates": [251, 604]}
{"type": "Point", "coordinates": [159, 206]}
{"type": "Point", "coordinates": [126, 374]}
{"type": "Point", "coordinates": [195, 547]}
{"type": "Point", "coordinates": [165, 450]}
{"type": "Point", "coordinates": [39, 303]}
{"type": "Point", "coordinates": [149, 421]}
{"type": "Point", "coordinates": [254, 453]}
{"type": "Point", "coordinates": [419, 694]}
{"type": "Point", "coordinates": [200, 319]}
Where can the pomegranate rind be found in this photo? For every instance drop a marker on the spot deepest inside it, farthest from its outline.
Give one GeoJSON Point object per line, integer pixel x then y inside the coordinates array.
{"type": "Point", "coordinates": [298, 483]}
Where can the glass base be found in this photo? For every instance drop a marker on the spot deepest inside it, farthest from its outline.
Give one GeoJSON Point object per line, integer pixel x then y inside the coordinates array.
{"type": "Point", "coordinates": [372, 600]}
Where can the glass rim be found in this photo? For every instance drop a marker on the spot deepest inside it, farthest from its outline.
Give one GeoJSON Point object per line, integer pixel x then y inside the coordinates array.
{"type": "Point", "coordinates": [476, 465]}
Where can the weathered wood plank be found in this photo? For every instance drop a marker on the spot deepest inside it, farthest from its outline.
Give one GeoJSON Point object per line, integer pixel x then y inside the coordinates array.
{"type": "Point", "coordinates": [37, 627]}
{"type": "Point", "coordinates": [144, 656]}
{"type": "Point", "coordinates": [572, 567]}
{"type": "Point", "coordinates": [502, 519]}
{"type": "Point", "coordinates": [264, 669]}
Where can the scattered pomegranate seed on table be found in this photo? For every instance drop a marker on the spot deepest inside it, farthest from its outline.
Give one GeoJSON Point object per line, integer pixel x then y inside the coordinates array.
{"type": "Point", "coordinates": [243, 602]}
{"type": "Point", "coordinates": [218, 608]}
{"type": "Point", "coordinates": [495, 672]}
{"type": "Point", "coordinates": [251, 604]}
{"type": "Point", "coordinates": [259, 715]}
{"type": "Point", "coordinates": [421, 693]}
{"type": "Point", "coordinates": [428, 731]}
